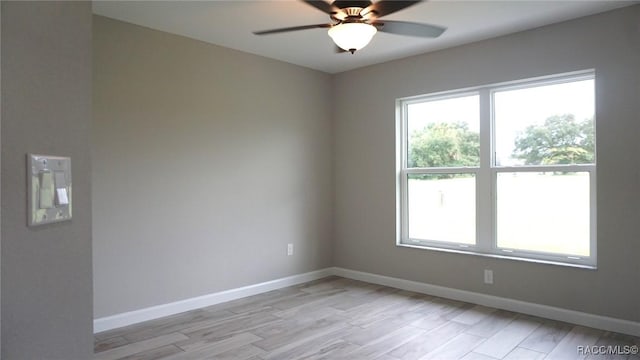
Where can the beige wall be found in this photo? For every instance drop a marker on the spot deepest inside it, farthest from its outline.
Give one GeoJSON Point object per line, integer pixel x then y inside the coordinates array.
{"type": "Point", "coordinates": [206, 163]}
{"type": "Point", "coordinates": [46, 108]}
{"type": "Point", "coordinates": [365, 162]}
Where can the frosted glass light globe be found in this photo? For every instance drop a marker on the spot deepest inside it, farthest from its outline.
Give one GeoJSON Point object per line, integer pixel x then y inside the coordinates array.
{"type": "Point", "coordinates": [352, 36]}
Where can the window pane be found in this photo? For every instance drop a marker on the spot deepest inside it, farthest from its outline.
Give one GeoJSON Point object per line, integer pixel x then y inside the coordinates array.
{"type": "Point", "coordinates": [544, 212]}
{"type": "Point", "coordinates": [442, 207]}
{"type": "Point", "coordinates": [545, 125]}
{"type": "Point", "coordinates": [444, 133]}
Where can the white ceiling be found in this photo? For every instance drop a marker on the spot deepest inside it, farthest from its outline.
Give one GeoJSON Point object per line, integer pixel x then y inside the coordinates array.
{"type": "Point", "coordinates": [230, 24]}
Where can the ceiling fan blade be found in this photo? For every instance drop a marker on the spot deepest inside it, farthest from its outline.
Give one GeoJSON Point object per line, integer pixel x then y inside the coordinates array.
{"type": "Point", "coordinates": [409, 28]}
{"type": "Point", "coordinates": [386, 7]}
{"type": "Point", "coordinates": [323, 6]}
{"type": "Point", "coordinates": [293, 28]}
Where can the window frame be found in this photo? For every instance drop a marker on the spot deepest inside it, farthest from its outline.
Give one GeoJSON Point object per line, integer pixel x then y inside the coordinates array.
{"type": "Point", "coordinates": [486, 174]}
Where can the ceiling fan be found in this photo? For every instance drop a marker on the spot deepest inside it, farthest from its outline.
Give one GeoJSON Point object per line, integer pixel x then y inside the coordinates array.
{"type": "Point", "coordinates": [353, 23]}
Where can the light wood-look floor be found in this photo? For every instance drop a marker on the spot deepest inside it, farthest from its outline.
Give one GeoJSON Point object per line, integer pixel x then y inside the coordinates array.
{"type": "Point", "coordinates": [336, 318]}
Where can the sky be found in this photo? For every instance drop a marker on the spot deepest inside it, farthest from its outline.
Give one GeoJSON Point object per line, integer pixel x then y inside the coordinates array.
{"type": "Point", "coordinates": [514, 110]}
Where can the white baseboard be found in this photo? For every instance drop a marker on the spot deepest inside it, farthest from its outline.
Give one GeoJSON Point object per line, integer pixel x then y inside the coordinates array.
{"type": "Point", "coordinates": [549, 312]}
{"type": "Point", "coordinates": [155, 312]}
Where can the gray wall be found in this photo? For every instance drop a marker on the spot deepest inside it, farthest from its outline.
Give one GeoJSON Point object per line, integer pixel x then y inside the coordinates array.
{"type": "Point", "coordinates": [365, 162]}
{"type": "Point", "coordinates": [46, 108]}
{"type": "Point", "coordinates": [0, 183]}
{"type": "Point", "coordinates": [206, 163]}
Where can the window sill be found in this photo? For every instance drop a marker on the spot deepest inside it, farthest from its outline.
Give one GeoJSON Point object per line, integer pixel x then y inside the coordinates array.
{"type": "Point", "coordinates": [496, 256]}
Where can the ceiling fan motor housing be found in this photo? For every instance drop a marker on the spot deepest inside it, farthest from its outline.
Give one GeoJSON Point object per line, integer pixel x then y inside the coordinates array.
{"type": "Point", "coordinates": [353, 12]}
{"type": "Point", "coordinates": [351, 4]}
{"type": "Point", "coordinates": [348, 11]}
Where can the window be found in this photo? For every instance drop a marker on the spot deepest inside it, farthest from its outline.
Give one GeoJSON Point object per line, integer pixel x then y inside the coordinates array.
{"type": "Point", "coordinates": [503, 170]}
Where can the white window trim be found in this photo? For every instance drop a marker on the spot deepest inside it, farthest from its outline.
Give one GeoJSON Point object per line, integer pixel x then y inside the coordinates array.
{"type": "Point", "coordinates": [486, 178]}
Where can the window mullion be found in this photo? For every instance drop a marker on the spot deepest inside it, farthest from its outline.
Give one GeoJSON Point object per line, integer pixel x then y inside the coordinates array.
{"type": "Point", "coordinates": [483, 182]}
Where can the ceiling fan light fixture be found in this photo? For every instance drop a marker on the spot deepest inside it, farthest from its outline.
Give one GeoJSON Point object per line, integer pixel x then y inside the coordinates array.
{"type": "Point", "coordinates": [352, 36]}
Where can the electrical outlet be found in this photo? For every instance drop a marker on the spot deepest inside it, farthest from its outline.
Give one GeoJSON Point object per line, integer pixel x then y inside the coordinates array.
{"type": "Point", "coordinates": [488, 276]}
{"type": "Point", "coordinates": [289, 249]}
